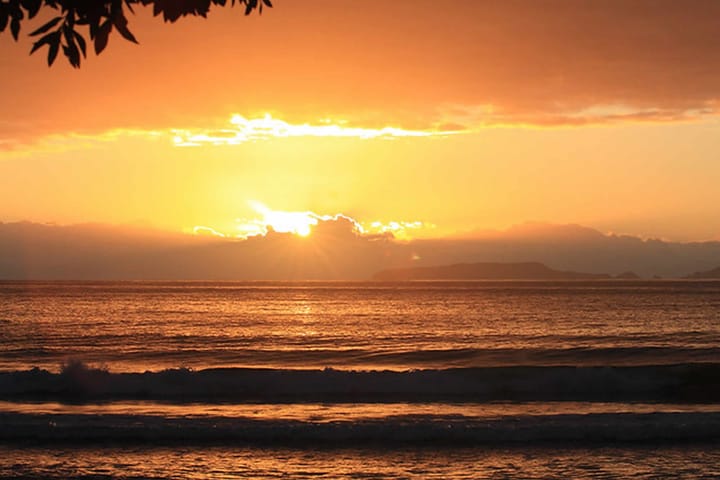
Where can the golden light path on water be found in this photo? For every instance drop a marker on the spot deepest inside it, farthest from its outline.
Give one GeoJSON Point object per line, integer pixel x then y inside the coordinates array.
{"type": "Point", "coordinates": [338, 412]}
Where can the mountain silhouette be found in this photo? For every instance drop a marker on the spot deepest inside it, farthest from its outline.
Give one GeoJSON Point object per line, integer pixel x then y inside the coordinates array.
{"type": "Point", "coordinates": [707, 274]}
{"type": "Point", "coordinates": [485, 271]}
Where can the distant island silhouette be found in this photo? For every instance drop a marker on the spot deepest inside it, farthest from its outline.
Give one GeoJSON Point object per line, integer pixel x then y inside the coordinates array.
{"type": "Point", "coordinates": [707, 274]}
{"type": "Point", "coordinates": [628, 276]}
{"type": "Point", "coordinates": [485, 271]}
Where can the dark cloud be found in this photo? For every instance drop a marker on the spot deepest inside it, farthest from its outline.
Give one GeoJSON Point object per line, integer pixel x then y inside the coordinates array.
{"type": "Point", "coordinates": [409, 62]}
{"type": "Point", "coordinates": [335, 251]}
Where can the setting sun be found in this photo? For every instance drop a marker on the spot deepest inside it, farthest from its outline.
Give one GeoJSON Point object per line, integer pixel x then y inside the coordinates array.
{"type": "Point", "coordinates": [302, 224]}
{"type": "Point", "coordinates": [298, 223]}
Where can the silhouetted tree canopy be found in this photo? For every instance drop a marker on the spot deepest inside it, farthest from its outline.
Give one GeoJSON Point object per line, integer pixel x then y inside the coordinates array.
{"type": "Point", "coordinates": [100, 17]}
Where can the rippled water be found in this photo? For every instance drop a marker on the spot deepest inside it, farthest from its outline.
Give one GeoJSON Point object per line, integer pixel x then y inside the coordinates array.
{"type": "Point", "coordinates": [139, 326]}
{"type": "Point", "coordinates": [360, 380]}
{"type": "Point", "coordinates": [243, 463]}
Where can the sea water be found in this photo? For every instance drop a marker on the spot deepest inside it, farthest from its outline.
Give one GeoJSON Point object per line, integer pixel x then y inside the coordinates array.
{"type": "Point", "coordinates": [360, 380]}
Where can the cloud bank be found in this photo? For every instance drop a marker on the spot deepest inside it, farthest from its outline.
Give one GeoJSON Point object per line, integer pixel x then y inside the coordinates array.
{"type": "Point", "coordinates": [334, 251]}
{"type": "Point", "coordinates": [408, 64]}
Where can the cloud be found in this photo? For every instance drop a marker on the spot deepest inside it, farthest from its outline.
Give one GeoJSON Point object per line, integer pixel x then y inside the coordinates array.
{"type": "Point", "coordinates": [202, 230]}
{"type": "Point", "coordinates": [534, 62]}
{"type": "Point", "coordinates": [476, 117]}
{"type": "Point", "coordinates": [451, 120]}
{"type": "Point", "coordinates": [304, 223]}
{"type": "Point", "coordinates": [244, 130]}
{"type": "Point", "coordinates": [62, 142]}
{"type": "Point", "coordinates": [540, 62]}
{"type": "Point", "coordinates": [238, 131]}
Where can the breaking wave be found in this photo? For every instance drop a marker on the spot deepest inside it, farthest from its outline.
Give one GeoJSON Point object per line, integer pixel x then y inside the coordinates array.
{"type": "Point", "coordinates": [690, 382]}
{"type": "Point", "coordinates": [573, 429]}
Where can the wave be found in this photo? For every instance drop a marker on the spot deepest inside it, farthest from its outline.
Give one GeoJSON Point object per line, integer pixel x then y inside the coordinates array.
{"type": "Point", "coordinates": [571, 429]}
{"type": "Point", "coordinates": [227, 353]}
{"type": "Point", "coordinates": [691, 382]}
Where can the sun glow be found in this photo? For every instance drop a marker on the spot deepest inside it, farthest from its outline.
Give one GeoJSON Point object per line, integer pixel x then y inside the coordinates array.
{"type": "Point", "coordinates": [302, 224]}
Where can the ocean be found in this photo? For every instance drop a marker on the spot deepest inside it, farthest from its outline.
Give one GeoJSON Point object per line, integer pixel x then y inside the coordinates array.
{"type": "Point", "coordinates": [597, 379]}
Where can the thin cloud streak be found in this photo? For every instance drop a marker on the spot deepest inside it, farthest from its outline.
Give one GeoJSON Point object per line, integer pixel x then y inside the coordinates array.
{"type": "Point", "coordinates": [249, 129]}
{"type": "Point", "coordinates": [452, 120]}
{"type": "Point", "coordinates": [474, 118]}
{"type": "Point", "coordinates": [241, 130]}
{"type": "Point", "coordinates": [63, 142]}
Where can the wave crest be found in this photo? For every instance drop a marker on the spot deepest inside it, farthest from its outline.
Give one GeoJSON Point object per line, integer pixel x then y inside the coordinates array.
{"type": "Point", "coordinates": [682, 382]}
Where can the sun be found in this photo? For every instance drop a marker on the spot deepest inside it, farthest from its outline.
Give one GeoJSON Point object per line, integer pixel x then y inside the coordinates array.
{"type": "Point", "coordinates": [298, 223]}
{"type": "Point", "coordinates": [303, 230]}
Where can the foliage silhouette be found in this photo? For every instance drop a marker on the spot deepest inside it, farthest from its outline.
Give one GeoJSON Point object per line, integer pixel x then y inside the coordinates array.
{"type": "Point", "coordinates": [101, 17]}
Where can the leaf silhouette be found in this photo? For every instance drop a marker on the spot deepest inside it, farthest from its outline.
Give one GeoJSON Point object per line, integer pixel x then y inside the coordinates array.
{"type": "Point", "coordinates": [32, 6]}
{"type": "Point", "coordinates": [101, 38]}
{"type": "Point", "coordinates": [70, 49]}
{"type": "Point", "coordinates": [81, 42]}
{"type": "Point", "coordinates": [15, 27]}
{"type": "Point", "coordinates": [4, 16]}
{"type": "Point", "coordinates": [99, 17]}
{"type": "Point", "coordinates": [120, 23]}
{"type": "Point", "coordinates": [72, 54]}
{"type": "Point", "coordinates": [46, 27]}
{"type": "Point", "coordinates": [46, 40]}
{"type": "Point", "coordinates": [54, 48]}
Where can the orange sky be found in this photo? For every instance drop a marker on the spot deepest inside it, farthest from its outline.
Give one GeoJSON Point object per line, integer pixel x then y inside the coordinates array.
{"type": "Point", "coordinates": [602, 113]}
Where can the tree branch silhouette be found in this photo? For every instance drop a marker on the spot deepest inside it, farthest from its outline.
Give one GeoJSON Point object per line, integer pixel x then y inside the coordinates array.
{"type": "Point", "coordinates": [100, 17]}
